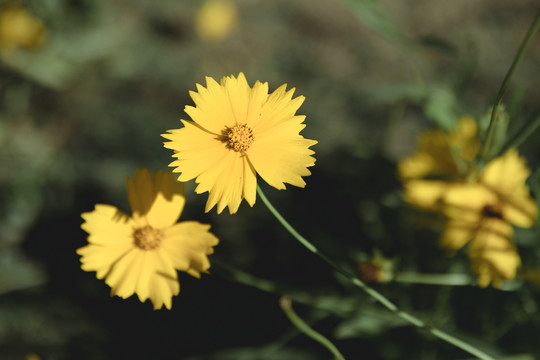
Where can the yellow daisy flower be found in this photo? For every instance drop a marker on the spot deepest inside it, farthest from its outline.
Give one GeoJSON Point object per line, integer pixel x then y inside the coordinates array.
{"type": "Point", "coordinates": [19, 29]}
{"type": "Point", "coordinates": [440, 153]}
{"type": "Point", "coordinates": [238, 132]}
{"type": "Point", "coordinates": [484, 213]}
{"type": "Point", "coordinates": [215, 20]}
{"type": "Point", "coordinates": [142, 253]}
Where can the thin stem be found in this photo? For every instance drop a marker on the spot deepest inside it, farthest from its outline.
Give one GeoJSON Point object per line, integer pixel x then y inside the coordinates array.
{"type": "Point", "coordinates": [434, 279]}
{"type": "Point", "coordinates": [522, 134]}
{"type": "Point", "coordinates": [371, 292]}
{"type": "Point", "coordinates": [286, 305]}
{"type": "Point", "coordinates": [524, 45]}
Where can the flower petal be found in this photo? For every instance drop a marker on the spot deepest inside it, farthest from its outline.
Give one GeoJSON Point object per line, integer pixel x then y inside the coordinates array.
{"type": "Point", "coordinates": [187, 244]}
{"type": "Point", "coordinates": [507, 176]}
{"type": "Point", "coordinates": [159, 198]}
{"type": "Point", "coordinates": [227, 183]}
{"type": "Point", "coordinates": [282, 161]}
{"type": "Point", "coordinates": [467, 201]}
{"type": "Point", "coordinates": [148, 274]}
{"type": "Point", "coordinates": [492, 253]}
{"type": "Point", "coordinates": [425, 194]}
{"type": "Point", "coordinates": [197, 151]}
{"type": "Point", "coordinates": [456, 234]}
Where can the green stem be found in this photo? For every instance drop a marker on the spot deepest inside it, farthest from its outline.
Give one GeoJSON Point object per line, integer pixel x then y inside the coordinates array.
{"type": "Point", "coordinates": [434, 279]}
{"type": "Point", "coordinates": [524, 45]}
{"type": "Point", "coordinates": [522, 134]}
{"type": "Point", "coordinates": [371, 292]}
{"type": "Point", "coordinates": [286, 305]}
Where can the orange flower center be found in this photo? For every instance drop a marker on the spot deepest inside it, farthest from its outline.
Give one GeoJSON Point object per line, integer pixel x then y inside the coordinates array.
{"type": "Point", "coordinates": [147, 238]}
{"type": "Point", "coordinates": [239, 138]}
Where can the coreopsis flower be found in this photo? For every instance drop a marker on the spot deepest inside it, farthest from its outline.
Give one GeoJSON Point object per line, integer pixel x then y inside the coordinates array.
{"type": "Point", "coordinates": [140, 254]}
{"type": "Point", "coordinates": [238, 132]}
{"type": "Point", "coordinates": [19, 29]}
{"type": "Point", "coordinates": [445, 156]}
{"type": "Point", "coordinates": [442, 154]}
{"type": "Point", "coordinates": [215, 20]}
{"type": "Point", "coordinates": [483, 213]}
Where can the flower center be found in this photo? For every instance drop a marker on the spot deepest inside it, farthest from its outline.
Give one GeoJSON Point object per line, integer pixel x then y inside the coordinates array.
{"type": "Point", "coordinates": [147, 238]}
{"type": "Point", "coordinates": [239, 138]}
{"type": "Point", "coordinates": [491, 211]}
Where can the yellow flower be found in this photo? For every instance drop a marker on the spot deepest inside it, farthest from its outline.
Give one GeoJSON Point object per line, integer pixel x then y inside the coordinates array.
{"type": "Point", "coordinates": [440, 153]}
{"type": "Point", "coordinates": [142, 253]}
{"type": "Point", "coordinates": [215, 20]}
{"type": "Point", "coordinates": [19, 29]}
{"type": "Point", "coordinates": [484, 213]}
{"type": "Point", "coordinates": [238, 132]}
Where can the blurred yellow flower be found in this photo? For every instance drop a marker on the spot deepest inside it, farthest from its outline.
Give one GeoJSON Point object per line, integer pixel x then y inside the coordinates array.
{"type": "Point", "coordinates": [19, 29]}
{"type": "Point", "coordinates": [215, 20]}
{"type": "Point", "coordinates": [238, 132]}
{"type": "Point", "coordinates": [484, 212]}
{"type": "Point", "coordinates": [142, 253]}
{"type": "Point", "coordinates": [442, 154]}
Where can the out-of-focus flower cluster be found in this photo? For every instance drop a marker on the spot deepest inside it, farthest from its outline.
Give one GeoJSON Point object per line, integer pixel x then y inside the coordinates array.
{"type": "Point", "coordinates": [19, 29]}
{"type": "Point", "coordinates": [480, 205]}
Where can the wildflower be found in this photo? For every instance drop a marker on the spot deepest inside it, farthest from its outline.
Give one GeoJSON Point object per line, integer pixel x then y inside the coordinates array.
{"type": "Point", "coordinates": [483, 212]}
{"type": "Point", "coordinates": [439, 155]}
{"type": "Point", "coordinates": [19, 29]}
{"type": "Point", "coordinates": [215, 20]}
{"type": "Point", "coordinates": [442, 154]}
{"type": "Point", "coordinates": [142, 253]}
{"type": "Point", "coordinates": [238, 132]}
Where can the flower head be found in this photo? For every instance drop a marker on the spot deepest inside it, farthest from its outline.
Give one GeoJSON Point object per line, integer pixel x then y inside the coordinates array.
{"type": "Point", "coordinates": [483, 212]}
{"type": "Point", "coordinates": [142, 253]}
{"type": "Point", "coordinates": [238, 132]}
{"type": "Point", "coordinates": [215, 20]}
{"type": "Point", "coordinates": [440, 153]}
{"type": "Point", "coordinates": [19, 29]}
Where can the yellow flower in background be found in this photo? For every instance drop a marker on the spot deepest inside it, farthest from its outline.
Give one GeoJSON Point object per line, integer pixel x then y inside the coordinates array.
{"type": "Point", "coordinates": [215, 20]}
{"type": "Point", "coordinates": [19, 29]}
{"type": "Point", "coordinates": [483, 212]}
{"type": "Point", "coordinates": [238, 132]}
{"type": "Point", "coordinates": [142, 253]}
{"type": "Point", "coordinates": [440, 153]}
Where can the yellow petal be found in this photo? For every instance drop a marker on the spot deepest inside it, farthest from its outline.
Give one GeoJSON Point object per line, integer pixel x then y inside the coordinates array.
{"type": "Point", "coordinates": [101, 258]}
{"type": "Point", "coordinates": [159, 198]}
{"type": "Point", "coordinates": [468, 201]}
{"type": "Point", "coordinates": [197, 151]}
{"type": "Point", "coordinates": [227, 183]}
{"type": "Point", "coordinates": [187, 244]}
{"type": "Point", "coordinates": [456, 234]}
{"type": "Point", "coordinates": [464, 138]}
{"type": "Point", "coordinates": [278, 108]}
{"type": "Point", "coordinates": [148, 274]}
{"type": "Point", "coordinates": [106, 225]}
{"type": "Point", "coordinates": [416, 166]}
{"type": "Point", "coordinates": [493, 254]}
{"type": "Point", "coordinates": [282, 161]}
{"type": "Point", "coordinates": [522, 212]}
{"type": "Point", "coordinates": [169, 202]}
{"type": "Point", "coordinates": [212, 109]}
{"type": "Point", "coordinates": [425, 194]}
{"type": "Point", "coordinates": [507, 175]}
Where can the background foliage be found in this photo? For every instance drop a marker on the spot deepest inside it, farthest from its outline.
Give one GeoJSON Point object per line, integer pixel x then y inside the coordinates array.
{"type": "Point", "coordinates": [84, 110]}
